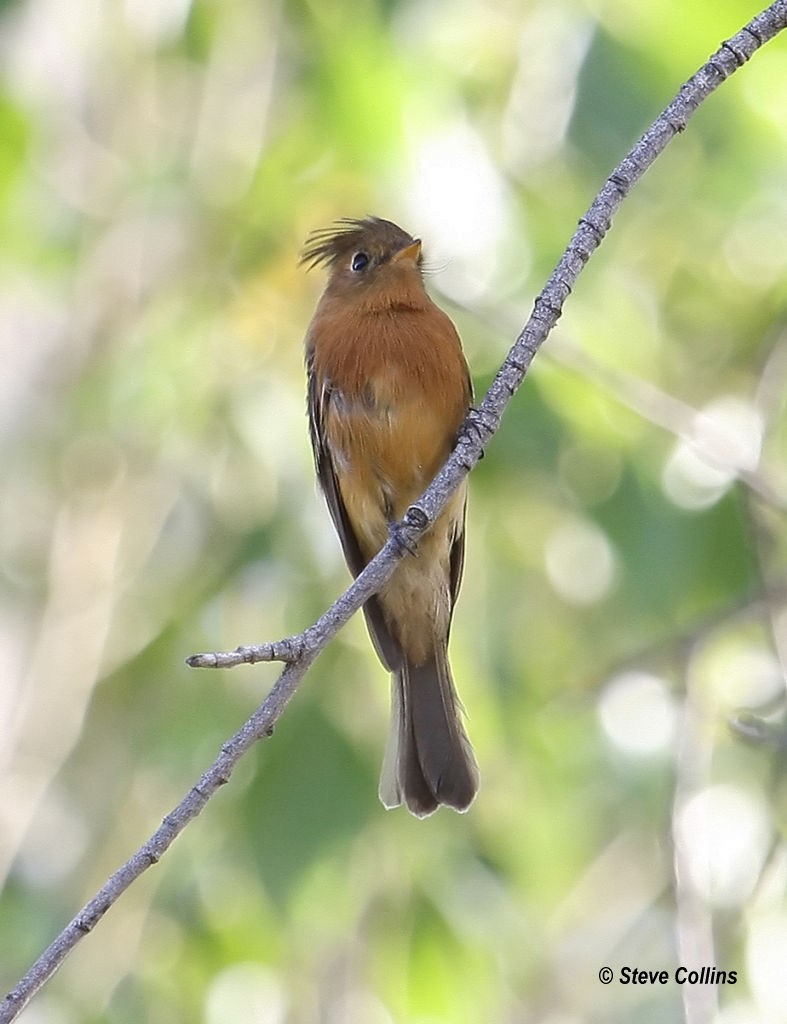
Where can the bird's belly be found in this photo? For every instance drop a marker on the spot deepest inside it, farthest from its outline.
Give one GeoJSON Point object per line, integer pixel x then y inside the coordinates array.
{"type": "Point", "coordinates": [384, 458]}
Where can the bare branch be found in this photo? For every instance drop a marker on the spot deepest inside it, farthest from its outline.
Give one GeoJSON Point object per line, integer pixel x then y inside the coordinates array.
{"type": "Point", "coordinates": [299, 652]}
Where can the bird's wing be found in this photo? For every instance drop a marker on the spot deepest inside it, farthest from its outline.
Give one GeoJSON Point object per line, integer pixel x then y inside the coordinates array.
{"type": "Point", "coordinates": [318, 395]}
{"type": "Point", "coordinates": [457, 561]}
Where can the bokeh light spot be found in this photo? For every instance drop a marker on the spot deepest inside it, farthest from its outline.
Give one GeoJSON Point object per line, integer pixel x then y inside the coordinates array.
{"type": "Point", "coordinates": [638, 713]}
{"type": "Point", "coordinates": [723, 832]}
{"type": "Point", "coordinates": [580, 562]}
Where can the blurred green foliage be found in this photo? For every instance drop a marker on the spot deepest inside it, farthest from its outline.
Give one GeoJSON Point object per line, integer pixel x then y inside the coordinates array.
{"type": "Point", "coordinates": [161, 163]}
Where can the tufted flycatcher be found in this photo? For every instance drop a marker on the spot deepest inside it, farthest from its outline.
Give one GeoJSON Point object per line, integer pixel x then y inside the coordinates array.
{"type": "Point", "coordinates": [388, 389]}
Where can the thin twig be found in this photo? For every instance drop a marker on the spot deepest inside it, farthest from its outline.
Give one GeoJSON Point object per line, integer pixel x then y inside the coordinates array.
{"type": "Point", "coordinates": [300, 651]}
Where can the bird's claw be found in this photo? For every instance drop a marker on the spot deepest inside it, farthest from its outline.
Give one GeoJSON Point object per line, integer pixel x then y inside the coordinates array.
{"type": "Point", "coordinates": [414, 517]}
{"type": "Point", "coordinates": [475, 428]}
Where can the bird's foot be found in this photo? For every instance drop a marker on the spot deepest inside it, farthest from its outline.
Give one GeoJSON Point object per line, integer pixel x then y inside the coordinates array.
{"type": "Point", "coordinates": [475, 428]}
{"type": "Point", "coordinates": [414, 517]}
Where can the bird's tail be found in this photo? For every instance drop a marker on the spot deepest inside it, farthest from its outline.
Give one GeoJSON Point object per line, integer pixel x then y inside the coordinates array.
{"type": "Point", "coordinates": [428, 759]}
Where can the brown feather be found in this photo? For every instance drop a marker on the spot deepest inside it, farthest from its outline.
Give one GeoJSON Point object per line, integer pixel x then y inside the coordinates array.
{"type": "Point", "coordinates": [348, 235]}
{"type": "Point", "coordinates": [388, 390]}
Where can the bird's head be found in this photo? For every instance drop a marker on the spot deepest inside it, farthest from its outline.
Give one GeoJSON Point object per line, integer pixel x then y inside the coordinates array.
{"type": "Point", "coordinates": [371, 260]}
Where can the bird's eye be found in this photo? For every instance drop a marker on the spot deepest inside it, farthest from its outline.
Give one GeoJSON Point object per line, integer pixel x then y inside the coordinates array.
{"type": "Point", "coordinates": [360, 261]}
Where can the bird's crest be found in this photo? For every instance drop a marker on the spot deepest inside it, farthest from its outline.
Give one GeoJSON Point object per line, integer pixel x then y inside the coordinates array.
{"type": "Point", "coordinates": [372, 234]}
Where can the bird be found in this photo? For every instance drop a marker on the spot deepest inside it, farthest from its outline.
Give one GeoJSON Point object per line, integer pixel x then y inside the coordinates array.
{"type": "Point", "coordinates": [388, 390]}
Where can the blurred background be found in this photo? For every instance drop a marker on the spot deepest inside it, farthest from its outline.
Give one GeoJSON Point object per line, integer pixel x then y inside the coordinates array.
{"type": "Point", "coordinates": [621, 636]}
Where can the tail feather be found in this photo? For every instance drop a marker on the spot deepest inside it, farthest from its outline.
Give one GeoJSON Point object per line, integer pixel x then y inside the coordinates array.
{"type": "Point", "coordinates": [428, 760]}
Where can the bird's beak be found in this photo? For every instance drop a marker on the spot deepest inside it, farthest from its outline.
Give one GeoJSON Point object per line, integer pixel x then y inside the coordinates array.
{"type": "Point", "coordinates": [411, 252]}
